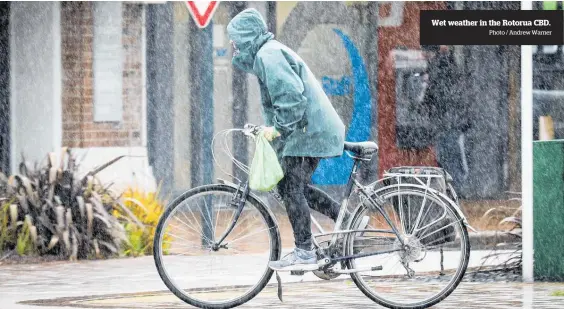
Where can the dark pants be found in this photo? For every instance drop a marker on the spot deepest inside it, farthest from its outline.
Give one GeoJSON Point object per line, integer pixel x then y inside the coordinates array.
{"type": "Point", "coordinates": [451, 157]}
{"type": "Point", "coordinates": [299, 195]}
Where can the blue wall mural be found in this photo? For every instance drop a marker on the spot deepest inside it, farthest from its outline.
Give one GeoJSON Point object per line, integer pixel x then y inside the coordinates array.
{"type": "Point", "coordinates": [335, 87]}
{"type": "Point", "coordinates": [335, 171]}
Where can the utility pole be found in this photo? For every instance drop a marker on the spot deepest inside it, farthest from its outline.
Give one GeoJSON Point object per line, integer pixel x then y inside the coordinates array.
{"type": "Point", "coordinates": [201, 119]}
{"type": "Point", "coordinates": [371, 174]}
{"type": "Point", "coordinates": [239, 105]}
{"type": "Point", "coordinates": [160, 101]}
{"type": "Point", "coordinates": [527, 153]}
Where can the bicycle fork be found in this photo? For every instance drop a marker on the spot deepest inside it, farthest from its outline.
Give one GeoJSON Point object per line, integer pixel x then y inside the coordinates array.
{"type": "Point", "coordinates": [238, 201]}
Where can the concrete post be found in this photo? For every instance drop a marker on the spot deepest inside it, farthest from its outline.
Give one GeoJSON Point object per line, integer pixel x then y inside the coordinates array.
{"type": "Point", "coordinates": [160, 103]}
{"type": "Point", "coordinates": [36, 81]}
{"type": "Point", "coordinates": [5, 87]}
{"type": "Point", "coordinates": [527, 153]}
{"type": "Point", "coordinates": [201, 117]}
{"type": "Point", "coordinates": [240, 105]}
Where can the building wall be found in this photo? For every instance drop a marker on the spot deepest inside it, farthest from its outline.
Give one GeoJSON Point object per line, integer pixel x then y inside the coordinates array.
{"type": "Point", "coordinates": [99, 142]}
{"type": "Point", "coordinates": [182, 93]}
{"type": "Point", "coordinates": [5, 143]}
{"type": "Point", "coordinates": [79, 127]}
{"type": "Point", "coordinates": [389, 38]}
{"type": "Point", "coordinates": [35, 59]}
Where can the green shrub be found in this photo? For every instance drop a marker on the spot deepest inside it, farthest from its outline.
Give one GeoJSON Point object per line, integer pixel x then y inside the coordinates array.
{"type": "Point", "coordinates": [55, 211]}
{"type": "Point", "coordinates": [5, 229]}
{"type": "Point", "coordinates": [24, 243]}
{"type": "Point", "coordinates": [147, 208]}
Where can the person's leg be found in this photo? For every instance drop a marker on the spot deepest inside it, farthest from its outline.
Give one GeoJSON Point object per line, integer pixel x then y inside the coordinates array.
{"type": "Point", "coordinates": [449, 157]}
{"type": "Point", "coordinates": [297, 174]}
{"type": "Point", "coordinates": [320, 201]}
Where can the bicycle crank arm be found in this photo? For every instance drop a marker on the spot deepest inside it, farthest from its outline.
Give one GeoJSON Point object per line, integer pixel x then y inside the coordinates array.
{"type": "Point", "coordinates": [357, 270]}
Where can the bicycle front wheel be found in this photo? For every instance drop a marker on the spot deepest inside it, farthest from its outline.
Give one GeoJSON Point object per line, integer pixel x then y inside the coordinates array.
{"type": "Point", "coordinates": [427, 266]}
{"type": "Point", "coordinates": [202, 274]}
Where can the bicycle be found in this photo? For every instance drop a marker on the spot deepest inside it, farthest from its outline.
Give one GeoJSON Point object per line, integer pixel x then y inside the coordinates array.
{"type": "Point", "coordinates": [398, 227]}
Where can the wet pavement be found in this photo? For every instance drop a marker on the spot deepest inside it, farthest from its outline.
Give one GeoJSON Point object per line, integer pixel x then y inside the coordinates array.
{"type": "Point", "coordinates": [134, 283]}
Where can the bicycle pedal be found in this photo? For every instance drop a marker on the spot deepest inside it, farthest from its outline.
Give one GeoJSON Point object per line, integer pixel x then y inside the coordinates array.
{"type": "Point", "coordinates": [297, 272]}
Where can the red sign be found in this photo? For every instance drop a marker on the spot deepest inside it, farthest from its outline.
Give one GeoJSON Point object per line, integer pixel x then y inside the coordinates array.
{"type": "Point", "coordinates": [202, 11]}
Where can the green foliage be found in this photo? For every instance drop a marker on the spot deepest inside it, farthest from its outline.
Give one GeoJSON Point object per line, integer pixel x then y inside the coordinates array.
{"type": "Point", "coordinates": [557, 293]}
{"type": "Point", "coordinates": [137, 241]}
{"type": "Point", "coordinates": [55, 211]}
{"type": "Point", "coordinates": [24, 244]}
{"type": "Point", "coordinates": [147, 209]}
{"type": "Point", "coordinates": [5, 230]}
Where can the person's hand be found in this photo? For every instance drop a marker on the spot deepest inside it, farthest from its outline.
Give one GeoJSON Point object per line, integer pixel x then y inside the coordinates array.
{"type": "Point", "coordinates": [270, 133]}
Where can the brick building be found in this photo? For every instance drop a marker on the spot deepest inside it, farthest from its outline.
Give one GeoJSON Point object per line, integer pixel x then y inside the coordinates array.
{"type": "Point", "coordinates": [103, 86]}
{"type": "Point", "coordinates": [139, 79]}
{"type": "Point", "coordinates": [73, 76]}
{"type": "Point", "coordinates": [88, 122]}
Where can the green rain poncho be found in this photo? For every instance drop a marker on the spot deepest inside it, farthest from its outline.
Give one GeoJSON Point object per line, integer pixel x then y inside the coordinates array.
{"type": "Point", "coordinates": [293, 100]}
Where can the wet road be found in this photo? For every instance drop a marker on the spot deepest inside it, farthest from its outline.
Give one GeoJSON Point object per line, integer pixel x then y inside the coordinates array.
{"type": "Point", "coordinates": [134, 283]}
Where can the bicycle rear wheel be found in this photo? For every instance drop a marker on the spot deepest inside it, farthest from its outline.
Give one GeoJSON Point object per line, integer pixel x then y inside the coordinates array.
{"type": "Point", "coordinates": [430, 265]}
{"type": "Point", "coordinates": [208, 277]}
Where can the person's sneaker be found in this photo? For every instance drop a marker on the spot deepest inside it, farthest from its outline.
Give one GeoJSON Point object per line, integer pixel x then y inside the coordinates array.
{"type": "Point", "coordinates": [297, 260]}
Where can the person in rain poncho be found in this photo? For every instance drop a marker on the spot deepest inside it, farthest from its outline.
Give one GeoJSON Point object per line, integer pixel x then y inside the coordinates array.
{"type": "Point", "coordinates": [448, 108]}
{"type": "Point", "coordinates": [301, 125]}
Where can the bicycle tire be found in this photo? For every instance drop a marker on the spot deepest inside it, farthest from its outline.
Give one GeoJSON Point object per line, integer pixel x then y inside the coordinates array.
{"type": "Point", "coordinates": [275, 251]}
{"type": "Point", "coordinates": [357, 214]}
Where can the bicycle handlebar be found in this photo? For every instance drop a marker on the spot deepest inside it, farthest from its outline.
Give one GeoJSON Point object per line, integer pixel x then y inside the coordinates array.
{"type": "Point", "coordinates": [251, 129]}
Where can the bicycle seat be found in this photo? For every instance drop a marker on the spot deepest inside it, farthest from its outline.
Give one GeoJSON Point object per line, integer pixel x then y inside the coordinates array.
{"type": "Point", "coordinates": [365, 150]}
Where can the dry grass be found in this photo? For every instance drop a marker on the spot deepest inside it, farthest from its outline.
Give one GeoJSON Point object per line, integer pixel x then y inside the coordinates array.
{"type": "Point", "coordinates": [485, 215]}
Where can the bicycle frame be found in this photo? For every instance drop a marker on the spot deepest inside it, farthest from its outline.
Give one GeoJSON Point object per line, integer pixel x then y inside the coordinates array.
{"type": "Point", "coordinates": [352, 184]}
{"type": "Point", "coordinates": [243, 191]}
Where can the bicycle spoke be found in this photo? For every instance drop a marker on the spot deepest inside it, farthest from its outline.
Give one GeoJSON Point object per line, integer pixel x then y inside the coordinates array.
{"type": "Point", "coordinates": [184, 246]}
{"type": "Point", "coordinates": [200, 232]}
{"type": "Point", "coordinates": [419, 215]}
{"type": "Point", "coordinates": [176, 236]}
{"type": "Point", "coordinates": [189, 231]}
{"type": "Point", "coordinates": [216, 221]}
{"type": "Point", "coordinates": [432, 222]}
{"type": "Point", "coordinates": [438, 230]}
{"type": "Point", "coordinates": [429, 247]}
{"type": "Point", "coordinates": [233, 241]}
{"type": "Point", "coordinates": [417, 265]}
{"type": "Point", "coordinates": [205, 217]}
{"type": "Point", "coordinates": [409, 214]}
{"type": "Point", "coordinates": [190, 261]}
{"type": "Point", "coordinates": [240, 223]}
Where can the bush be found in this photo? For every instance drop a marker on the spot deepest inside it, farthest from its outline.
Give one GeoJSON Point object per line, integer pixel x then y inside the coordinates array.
{"type": "Point", "coordinates": [52, 210]}
{"type": "Point", "coordinates": [6, 229]}
{"type": "Point", "coordinates": [147, 209]}
{"type": "Point", "coordinates": [510, 225]}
